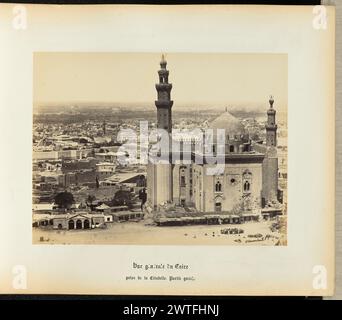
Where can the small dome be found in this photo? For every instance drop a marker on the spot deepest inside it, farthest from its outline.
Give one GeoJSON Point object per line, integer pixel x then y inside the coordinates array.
{"type": "Point", "coordinates": [229, 123]}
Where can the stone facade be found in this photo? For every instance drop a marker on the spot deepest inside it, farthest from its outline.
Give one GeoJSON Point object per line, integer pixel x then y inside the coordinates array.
{"type": "Point", "coordinates": [182, 184]}
{"type": "Point", "coordinates": [159, 184]}
{"type": "Point", "coordinates": [225, 192]}
{"type": "Point", "coordinates": [250, 171]}
{"type": "Point", "coordinates": [77, 221]}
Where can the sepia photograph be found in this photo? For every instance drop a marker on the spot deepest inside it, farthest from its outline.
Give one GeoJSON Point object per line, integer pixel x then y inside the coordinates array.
{"type": "Point", "coordinates": [168, 150]}
{"type": "Point", "coordinates": [159, 148]}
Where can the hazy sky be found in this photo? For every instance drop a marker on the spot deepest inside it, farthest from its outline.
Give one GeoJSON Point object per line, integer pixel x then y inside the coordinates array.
{"type": "Point", "coordinates": [232, 80]}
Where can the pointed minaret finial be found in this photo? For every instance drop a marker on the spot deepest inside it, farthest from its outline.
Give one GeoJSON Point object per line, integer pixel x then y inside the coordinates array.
{"type": "Point", "coordinates": [271, 101]}
{"type": "Point", "coordinates": [271, 126]}
{"type": "Point", "coordinates": [163, 61]}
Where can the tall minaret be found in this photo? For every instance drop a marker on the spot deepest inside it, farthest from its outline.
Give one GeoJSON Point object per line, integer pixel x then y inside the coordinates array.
{"type": "Point", "coordinates": [164, 102]}
{"type": "Point", "coordinates": [159, 176]}
{"type": "Point", "coordinates": [271, 126]}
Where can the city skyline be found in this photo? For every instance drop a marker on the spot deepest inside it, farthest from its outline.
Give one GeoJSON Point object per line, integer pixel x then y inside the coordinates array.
{"type": "Point", "coordinates": [90, 179]}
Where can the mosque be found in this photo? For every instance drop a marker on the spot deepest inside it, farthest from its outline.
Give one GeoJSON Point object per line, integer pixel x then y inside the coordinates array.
{"type": "Point", "coordinates": [247, 181]}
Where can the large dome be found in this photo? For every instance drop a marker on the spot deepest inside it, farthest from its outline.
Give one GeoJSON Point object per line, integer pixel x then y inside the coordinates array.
{"type": "Point", "coordinates": [229, 123]}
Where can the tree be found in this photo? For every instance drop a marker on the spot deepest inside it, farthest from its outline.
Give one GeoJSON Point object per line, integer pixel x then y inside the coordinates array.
{"type": "Point", "coordinates": [122, 198]}
{"type": "Point", "coordinates": [90, 199]}
{"type": "Point", "coordinates": [246, 203]}
{"type": "Point", "coordinates": [64, 200]}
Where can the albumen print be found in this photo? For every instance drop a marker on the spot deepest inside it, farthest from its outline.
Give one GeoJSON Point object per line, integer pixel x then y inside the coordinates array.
{"type": "Point", "coordinates": [139, 148]}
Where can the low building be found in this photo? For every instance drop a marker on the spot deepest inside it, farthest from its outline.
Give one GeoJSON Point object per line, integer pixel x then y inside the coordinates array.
{"type": "Point", "coordinates": [77, 221]}
{"type": "Point", "coordinates": [78, 165]}
{"type": "Point", "coordinates": [41, 219]}
{"type": "Point", "coordinates": [133, 180]}
{"type": "Point", "coordinates": [105, 170]}
{"type": "Point", "coordinates": [114, 209]}
{"type": "Point", "coordinates": [127, 216]}
{"type": "Point", "coordinates": [102, 208]}
{"type": "Point", "coordinates": [43, 207]}
{"type": "Point", "coordinates": [270, 213]}
{"type": "Point", "coordinates": [108, 218]}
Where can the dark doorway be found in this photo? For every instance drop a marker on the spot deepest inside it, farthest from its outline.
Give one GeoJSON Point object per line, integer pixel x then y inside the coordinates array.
{"type": "Point", "coordinates": [218, 207]}
{"type": "Point", "coordinates": [71, 224]}
{"type": "Point", "coordinates": [60, 226]}
{"type": "Point", "coordinates": [78, 224]}
{"type": "Point", "coordinates": [263, 202]}
{"type": "Point", "coordinates": [86, 224]}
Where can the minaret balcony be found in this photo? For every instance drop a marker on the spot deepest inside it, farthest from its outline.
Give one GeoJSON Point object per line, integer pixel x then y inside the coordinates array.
{"type": "Point", "coordinates": [164, 86]}
{"type": "Point", "coordinates": [271, 127]}
{"type": "Point", "coordinates": [163, 72]}
{"type": "Point", "coordinates": [164, 103]}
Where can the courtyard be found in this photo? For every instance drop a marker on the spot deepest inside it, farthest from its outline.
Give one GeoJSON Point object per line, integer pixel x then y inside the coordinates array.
{"type": "Point", "coordinates": [142, 233]}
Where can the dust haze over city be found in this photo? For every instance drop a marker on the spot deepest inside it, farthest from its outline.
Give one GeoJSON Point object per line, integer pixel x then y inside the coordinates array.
{"type": "Point", "coordinates": [82, 101]}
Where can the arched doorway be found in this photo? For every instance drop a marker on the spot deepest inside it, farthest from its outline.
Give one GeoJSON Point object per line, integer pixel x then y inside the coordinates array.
{"type": "Point", "coordinates": [79, 224]}
{"type": "Point", "coordinates": [60, 226]}
{"type": "Point", "coordinates": [218, 207]}
{"type": "Point", "coordinates": [71, 224]}
{"type": "Point", "coordinates": [218, 204]}
{"type": "Point", "coordinates": [86, 224]}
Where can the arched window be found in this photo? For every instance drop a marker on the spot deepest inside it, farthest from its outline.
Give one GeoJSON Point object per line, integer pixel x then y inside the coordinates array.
{"type": "Point", "coordinates": [231, 148]}
{"type": "Point", "coordinates": [182, 176]}
{"type": "Point", "coordinates": [247, 174]}
{"type": "Point", "coordinates": [246, 186]}
{"type": "Point", "coordinates": [218, 186]}
{"type": "Point", "coordinates": [247, 181]}
{"type": "Point", "coordinates": [182, 181]}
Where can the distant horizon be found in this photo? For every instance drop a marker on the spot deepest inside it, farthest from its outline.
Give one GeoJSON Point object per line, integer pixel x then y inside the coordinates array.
{"type": "Point", "coordinates": [151, 107]}
{"type": "Point", "coordinates": [200, 80]}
